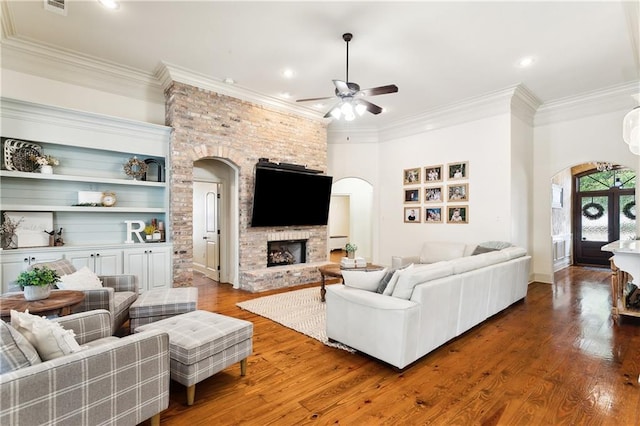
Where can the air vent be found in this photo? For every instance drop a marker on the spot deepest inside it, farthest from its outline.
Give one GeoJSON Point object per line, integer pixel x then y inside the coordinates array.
{"type": "Point", "coordinates": [56, 6]}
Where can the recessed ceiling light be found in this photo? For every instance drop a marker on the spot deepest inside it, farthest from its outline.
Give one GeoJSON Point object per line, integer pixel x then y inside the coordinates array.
{"type": "Point", "coordinates": [286, 95]}
{"type": "Point", "coordinates": [527, 61]}
{"type": "Point", "coordinates": [288, 73]}
{"type": "Point", "coordinates": [229, 80]}
{"type": "Point", "coordinates": [109, 4]}
{"type": "Point", "coordinates": [318, 105]}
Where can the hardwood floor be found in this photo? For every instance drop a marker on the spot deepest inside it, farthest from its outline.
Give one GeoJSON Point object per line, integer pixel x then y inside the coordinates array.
{"type": "Point", "coordinates": [556, 358]}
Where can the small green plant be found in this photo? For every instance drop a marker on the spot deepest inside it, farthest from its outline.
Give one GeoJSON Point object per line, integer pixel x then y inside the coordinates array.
{"type": "Point", "coordinates": [38, 277]}
{"type": "Point", "coordinates": [351, 248]}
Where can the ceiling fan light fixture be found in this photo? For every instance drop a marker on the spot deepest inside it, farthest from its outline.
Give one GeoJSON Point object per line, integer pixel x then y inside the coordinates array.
{"type": "Point", "coordinates": [361, 109]}
{"type": "Point", "coordinates": [631, 127]}
{"type": "Point", "coordinates": [347, 108]}
{"type": "Point", "coordinates": [336, 113]}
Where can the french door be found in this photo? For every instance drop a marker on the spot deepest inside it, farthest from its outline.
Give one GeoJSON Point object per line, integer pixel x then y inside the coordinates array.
{"type": "Point", "coordinates": [604, 211]}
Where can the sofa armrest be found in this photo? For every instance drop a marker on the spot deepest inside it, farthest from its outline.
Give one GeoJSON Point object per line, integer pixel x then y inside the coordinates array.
{"type": "Point", "coordinates": [400, 261]}
{"type": "Point", "coordinates": [99, 298]}
{"type": "Point", "coordinates": [120, 282]}
{"type": "Point", "coordinates": [131, 374]}
{"type": "Point", "coordinates": [88, 326]}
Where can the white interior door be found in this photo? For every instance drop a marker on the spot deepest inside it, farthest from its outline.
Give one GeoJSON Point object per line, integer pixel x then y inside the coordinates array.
{"type": "Point", "coordinates": [206, 229]}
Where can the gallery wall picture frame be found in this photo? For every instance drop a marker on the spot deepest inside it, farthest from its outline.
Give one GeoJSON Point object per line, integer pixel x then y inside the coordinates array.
{"type": "Point", "coordinates": [411, 176]}
{"type": "Point", "coordinates": [458, 170]}
{"type": "Point", "coordinates": [433, 215]}
{"type": "Point", "coordinates": [433, 194]}
{"type": "Point", "coordinates": [458, 192]}
{"type": "Point", "coordinates": [458, 214]}
{"type": "Point", "coordinates": [412, 195]}
{"type": "Point", "coordinates": [412, 214]}
{"type": "Point", "coordinates": [433, 174]}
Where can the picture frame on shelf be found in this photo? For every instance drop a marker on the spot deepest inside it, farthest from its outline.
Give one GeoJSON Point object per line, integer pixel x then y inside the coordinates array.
{"type": "Point", "coordinates": [433, 174]}
{"type": "Point", "coordinates": [458, 170]}
{"type": "Point", "coordinates": [155, 171]}
{"type": "Point", "coordinates": [433, 215]}
{"type": "Point", "coordinates": [411, 176]}
{"type": "Point", "coordinates": [433, 194]}
{"type": "Point", "coordinates": [458, 192]}
{"type": "Point", "coordinates": [457, 214]}
{"type": "Point", "coordinates": [34, 228]}
{"type": "Point", "coordinates": [412, 215]}
{"type": "Point", "coordinates": [412, 195]}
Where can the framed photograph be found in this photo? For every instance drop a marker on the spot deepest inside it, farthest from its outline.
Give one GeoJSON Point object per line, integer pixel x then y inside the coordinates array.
{"type": "Point", "coordinates": [458, 214]}
{"type": "Point", "coordinates": [32, 231]}
{"type": "Point", "coordinates": [458, 171]}
{"type": "Point", "coordinates": [433, 174]}
{"type": "Point", "coordinates": [412, 195]}
{"type": "Point", "coordinates": [412, 215]}
{"type": "Point", "coordinates": [412, 176]}
{"type": "Point", "coordinates": [433, 194]}
{"type": "Point", "coordinates": [433, 215]}
{"type": "Point", "coordinates": [458, 192]}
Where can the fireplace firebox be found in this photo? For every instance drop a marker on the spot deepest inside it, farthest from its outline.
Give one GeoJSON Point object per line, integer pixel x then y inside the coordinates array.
{"type": "Point", "coordinates": [286, 252]}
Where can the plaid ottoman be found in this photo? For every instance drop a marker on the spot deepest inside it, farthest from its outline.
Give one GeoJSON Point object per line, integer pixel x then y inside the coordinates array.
{"type": "Point", "coordinates": [202, 343]}
{"type": "Point", "coordinates": [154, 305]}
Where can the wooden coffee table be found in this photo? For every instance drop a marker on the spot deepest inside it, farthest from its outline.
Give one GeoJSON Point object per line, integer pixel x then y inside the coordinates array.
{"type": "Point", "coordinates": [334, 270]}
{"type": "Point", "coordinates": [58, 303]}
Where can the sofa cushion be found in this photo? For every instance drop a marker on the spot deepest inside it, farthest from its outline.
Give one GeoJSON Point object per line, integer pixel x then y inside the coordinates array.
{"type": "Point", "coordinates": [83, 279]}
{"type": "Point", "coordinates": [433, 252]}
{"type": "Point", "coordinates": [418, 275]}
{"type": "Point", "coordinates": [49, 338]}
{"type": "Point", "coordinates": [15, 350]}
{"type": "Point", "coordinates": [394, 279]}
{"type": "Point", "coordinates": [514, 252]}
{"type": "Point", "coordinates": [364, 280]}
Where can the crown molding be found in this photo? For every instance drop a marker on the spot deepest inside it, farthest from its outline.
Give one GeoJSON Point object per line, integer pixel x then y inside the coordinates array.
{"type": "Point", "coordinates": [524, 104]}
{"type": "Point", "coordinates": [29, 57]}
{"type": "Point", "coordinates": [6, 20]}
{"type": "Point", "coordinates": [341, 135]}
{"type": "Point", "coordinates": [602, 101]}
{"type": "Point", "coordinates": [167, 73]}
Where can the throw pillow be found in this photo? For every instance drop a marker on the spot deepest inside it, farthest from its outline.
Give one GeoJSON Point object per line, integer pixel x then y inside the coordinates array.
{"type": "Point", "coordinates": [394, 280]}
{"type": "Point", "coordinates": [49, 338]}
{"type": "Point", "coordinates": [15, 351]}
{"type": "Point", "coordinates": [364, 280]}
{"type": "Point", "coordinates": [83, 279]}
{"type": "Point", "coordinates": [498, 245]}
{"type": "Point", "coordinates": [482, 249]}
{"type": "Point", "coordinates": [385, 281]}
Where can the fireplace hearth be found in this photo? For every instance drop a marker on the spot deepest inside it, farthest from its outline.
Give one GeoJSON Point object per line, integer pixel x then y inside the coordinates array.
{"type": "Point", "coordinates": [290, 252]}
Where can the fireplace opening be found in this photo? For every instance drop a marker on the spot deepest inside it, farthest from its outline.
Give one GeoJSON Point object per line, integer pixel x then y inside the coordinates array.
{"type": "Point", "coordinates": [286, 252]}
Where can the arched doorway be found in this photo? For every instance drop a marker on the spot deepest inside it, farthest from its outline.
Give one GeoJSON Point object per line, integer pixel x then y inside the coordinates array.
{"type": "Point", "coordinates": [603, 211]}
{"type": "Point", "coordinates": [215, 212]}
{"type": "Point", "coordinates": [357, 219]}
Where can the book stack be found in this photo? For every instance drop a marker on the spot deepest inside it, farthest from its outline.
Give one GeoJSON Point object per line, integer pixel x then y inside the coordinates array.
{"type": "Point", "coordinates": [358, 262]}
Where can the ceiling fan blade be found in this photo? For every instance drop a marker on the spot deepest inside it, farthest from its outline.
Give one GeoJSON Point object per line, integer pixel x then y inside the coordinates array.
{"type": "Point", "coordinates": [342, 88]}
{"type": "Point", "coordinates": [382, 90]}
{"type": "Point", "coordinates": [315, 99]}
{"type": "Point", "coordinates": [372, 108]}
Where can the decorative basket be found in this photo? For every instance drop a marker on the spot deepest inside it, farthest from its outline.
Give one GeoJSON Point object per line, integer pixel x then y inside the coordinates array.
{"type": "Point", "coordinates": [17, 155]}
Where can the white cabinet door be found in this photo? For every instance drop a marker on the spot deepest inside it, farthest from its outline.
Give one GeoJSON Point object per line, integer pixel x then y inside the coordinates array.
{"type": "Point", "coordinates": [151, 264]}
{"type": "Point", "coordinates": [102, 262]}
{"type": "Point", "coordinates": [12, 264]}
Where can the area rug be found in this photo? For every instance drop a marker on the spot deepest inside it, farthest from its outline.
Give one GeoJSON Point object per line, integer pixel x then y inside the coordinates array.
{"type": "Point", "coordinates": [299, 310]}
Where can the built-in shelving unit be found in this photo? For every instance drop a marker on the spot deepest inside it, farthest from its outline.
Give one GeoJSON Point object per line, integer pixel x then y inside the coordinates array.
{"type": "Point", "coordinates": [92, 150]}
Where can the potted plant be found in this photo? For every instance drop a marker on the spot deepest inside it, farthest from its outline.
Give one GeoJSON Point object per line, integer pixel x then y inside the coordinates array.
{"type": "Point", "coordinates": [37, 282]}
{"type": "Point", "coordinates": [8, 236]}
{"type": "Point", "coordinates": [149, 231]}
{"type": "Point", "coordinates": [46, 163]}
{"type": "Point", "coordinates": [351, 250]}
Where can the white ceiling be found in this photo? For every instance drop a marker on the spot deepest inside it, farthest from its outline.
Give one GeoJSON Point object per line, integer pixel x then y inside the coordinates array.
{"type": "Point", "coordinates": [437, 53]}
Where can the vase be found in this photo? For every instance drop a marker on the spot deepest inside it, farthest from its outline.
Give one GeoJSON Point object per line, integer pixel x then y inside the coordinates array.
{"type": "Point", "coordinates": [46, 170]}
{"type": "Point", "coordinates": [36, 292]}
{"type": "Point", "coordinates": [351, 254]}
{"type": "Point", "coordinates": [9, 241]}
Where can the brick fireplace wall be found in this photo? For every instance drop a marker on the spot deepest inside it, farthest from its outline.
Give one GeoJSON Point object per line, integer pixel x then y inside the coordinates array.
{"type": "Point", "coordinates": [210, 125]}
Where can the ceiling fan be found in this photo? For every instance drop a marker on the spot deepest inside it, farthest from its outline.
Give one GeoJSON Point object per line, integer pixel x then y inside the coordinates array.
{"type": "Point", "coordinates": [350, 95]}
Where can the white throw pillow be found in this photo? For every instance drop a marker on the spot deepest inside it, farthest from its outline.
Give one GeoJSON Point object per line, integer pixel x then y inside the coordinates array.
{"type": "Point", "coordinates": [49, 338]}
{"type": "Point", "coordinates": [394, 280]}
{"type": "Point", "coordinates": [83, 279]}
{"type": "Point", "coordinates": [364, 280]}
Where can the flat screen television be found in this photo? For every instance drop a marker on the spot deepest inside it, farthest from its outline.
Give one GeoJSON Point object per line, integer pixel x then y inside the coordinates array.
{"type": "Point", "coordinates": [290, 198]}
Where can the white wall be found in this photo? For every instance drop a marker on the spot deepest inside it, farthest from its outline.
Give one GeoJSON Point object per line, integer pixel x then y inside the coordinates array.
{"type": "Point", "coordinates": [560, 145]}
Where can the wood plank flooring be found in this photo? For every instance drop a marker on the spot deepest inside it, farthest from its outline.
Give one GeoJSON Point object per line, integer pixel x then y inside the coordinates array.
{"type": "Point", "coordinates": [556, 358]}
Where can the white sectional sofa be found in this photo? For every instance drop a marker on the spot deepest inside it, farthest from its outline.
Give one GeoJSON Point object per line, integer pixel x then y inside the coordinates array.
{"type": "Point", "coordinates": [427, 304]}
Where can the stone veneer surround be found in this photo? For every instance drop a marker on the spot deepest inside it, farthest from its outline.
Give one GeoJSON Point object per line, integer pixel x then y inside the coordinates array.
{"type": "Point", "coordinates": [210, 125]}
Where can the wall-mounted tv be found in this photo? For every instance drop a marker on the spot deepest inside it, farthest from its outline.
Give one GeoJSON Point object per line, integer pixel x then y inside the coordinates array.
{"type": "Point", "coordinates": [290, 198]}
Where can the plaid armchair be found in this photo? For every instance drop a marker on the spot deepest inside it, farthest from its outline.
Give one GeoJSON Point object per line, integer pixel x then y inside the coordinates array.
{"type": "Point", "coordinates": [117, 294]}
{"type": "Point", "coordinates": [115, 381]}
